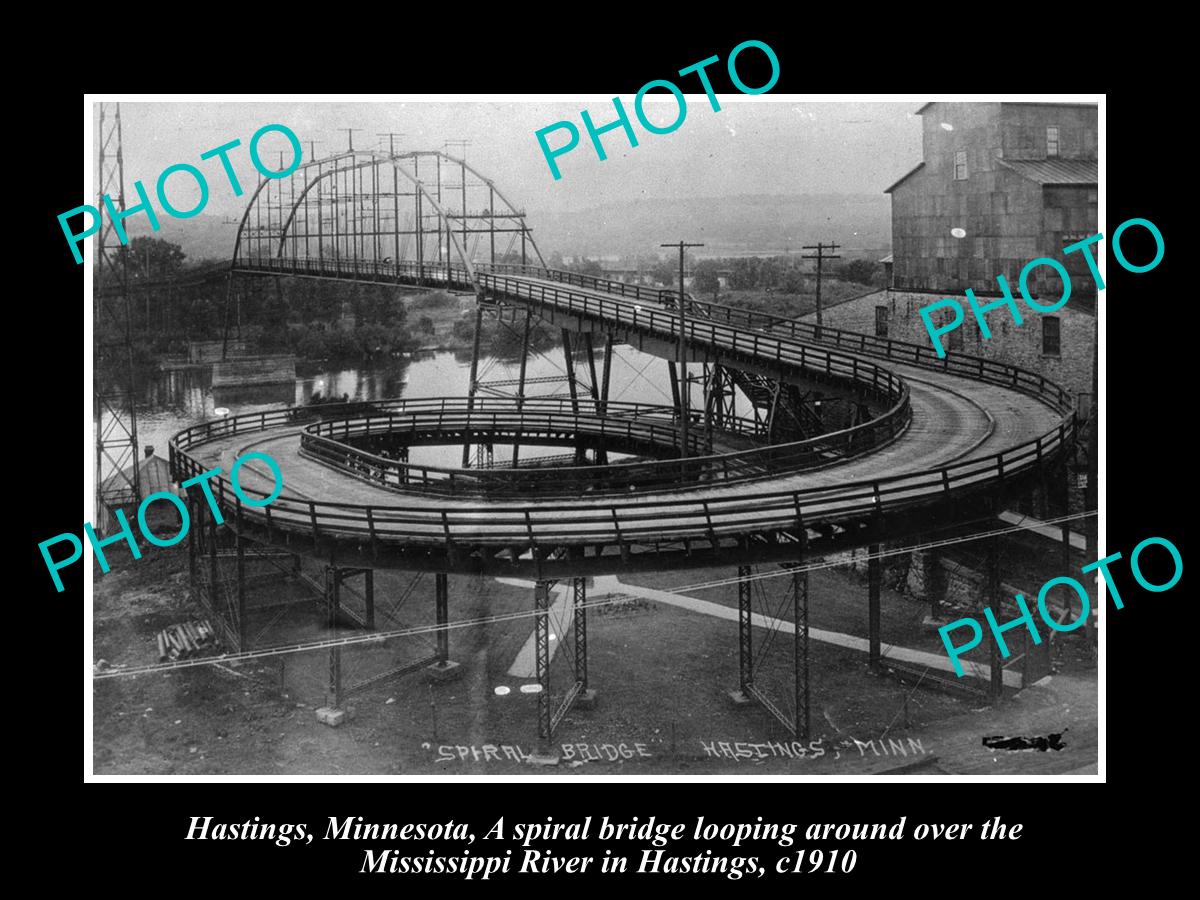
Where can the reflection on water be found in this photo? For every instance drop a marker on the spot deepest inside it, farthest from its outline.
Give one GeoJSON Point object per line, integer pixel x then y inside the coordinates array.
{"type": "Point", "coordinates": [175, 400]}
{"type": "Point", "coordinates": [238, 396]}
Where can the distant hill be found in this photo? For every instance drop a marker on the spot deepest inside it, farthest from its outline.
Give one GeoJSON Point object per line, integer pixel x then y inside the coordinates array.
{"type": "Point", "coordinates": [202, 237]}
{"type": "Point", "coordinates": [728, 226]}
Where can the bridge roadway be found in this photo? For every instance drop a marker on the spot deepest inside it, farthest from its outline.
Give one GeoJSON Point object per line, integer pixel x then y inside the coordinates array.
{"type": "Point", "coordinates": [966, 437]}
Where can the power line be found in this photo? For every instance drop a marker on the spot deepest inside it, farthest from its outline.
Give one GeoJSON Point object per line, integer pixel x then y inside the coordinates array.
{"type": "Point", "coordinates": [380, 636]}
{"type": "Point", "coordinates": [391, 136]}
{"type": "Point", "coordinates": [373, 637]}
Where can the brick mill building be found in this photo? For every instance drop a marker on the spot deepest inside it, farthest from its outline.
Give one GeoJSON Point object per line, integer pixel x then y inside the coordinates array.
{"type": "Point", "coordinates": [999, 184]}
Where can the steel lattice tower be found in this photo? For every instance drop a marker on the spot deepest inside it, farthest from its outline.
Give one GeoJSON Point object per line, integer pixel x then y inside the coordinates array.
{"type": "Point", "coordinates": [113, 409]}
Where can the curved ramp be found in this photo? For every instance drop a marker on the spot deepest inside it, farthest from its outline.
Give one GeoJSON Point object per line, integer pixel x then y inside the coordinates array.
{"type": "Point", "coordinates": [977, 427]}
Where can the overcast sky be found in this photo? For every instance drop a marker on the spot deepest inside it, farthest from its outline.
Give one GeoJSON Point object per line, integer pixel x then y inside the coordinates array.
{"type": "Point", "coordinates": [759, 145]}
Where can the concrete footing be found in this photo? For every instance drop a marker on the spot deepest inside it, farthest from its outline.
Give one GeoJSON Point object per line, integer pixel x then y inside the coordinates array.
{"type": "Point", "coordinates": [585, 700]}
{"type": "Point", "coordinates": [739, 699]}
{"type": "Point", "coordinates": [445, 671]}
{"type": "Point", "coordinates": [327, 715]}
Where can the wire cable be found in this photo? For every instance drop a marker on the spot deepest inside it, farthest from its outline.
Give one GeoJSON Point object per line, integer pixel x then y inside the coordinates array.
{"type": "Point", "coordinates": [379, 636]}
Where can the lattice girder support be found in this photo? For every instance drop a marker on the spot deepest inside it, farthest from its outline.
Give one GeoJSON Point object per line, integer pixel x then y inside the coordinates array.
{"type": "Point", "coordinates": [578, 693]}
{"type": "Point", "coordinates": [114, 411]}
{"type": "Point", "coordinates": [541, 649]}
{"type": "Point", "coordinates": [801, 656]}
{"type": "Point", "coordinates": [719, 399]}
{"type": "Point", "coordinates": [745, 631]}
{"type": "Point", "coordinates": [874, 579]}
{"type": "Point", "coordinates": [795, 603]}
{"type": "Point", "coordinates": [333, 601]}
{"type": "Point", "coordinates": [579, 618]}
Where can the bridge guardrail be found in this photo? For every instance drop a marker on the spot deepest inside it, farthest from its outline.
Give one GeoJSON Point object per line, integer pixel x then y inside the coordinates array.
{"type": "Point", "coordinates": [611, 520]}
{"type": "Point", "coordinates": [621, 520]}
{"type": "Point", "coordinates": [864, 377]}
{"type": "Point", "coordinates": [921, 355]}
{"type": "Point", "coordinates": [815, 360]}
{"type": "Point", "coordinates": [319, 442]}
{"type": "Point", "coordinates": [635, 426]}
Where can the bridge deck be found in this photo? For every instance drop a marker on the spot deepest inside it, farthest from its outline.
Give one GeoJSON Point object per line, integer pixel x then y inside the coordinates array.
{"type": "Point", "coordinates": [953, 418]}
{"type": "Point", "coordinates": [971, 430]}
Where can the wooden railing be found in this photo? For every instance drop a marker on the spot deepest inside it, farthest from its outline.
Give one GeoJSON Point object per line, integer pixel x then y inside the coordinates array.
{"type": "Point", "coordinates": [632, 426]}
{"type": "Point", "coordinates": [661, 319]}
{"type": "Point", "coordinates": [623, 519]}
{"type": "Point", "coordinates": [620, 519]}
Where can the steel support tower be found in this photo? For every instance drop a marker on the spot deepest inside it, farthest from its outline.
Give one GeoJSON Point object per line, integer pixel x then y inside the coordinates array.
{"type": "Point", "coordinates": [112, 373]}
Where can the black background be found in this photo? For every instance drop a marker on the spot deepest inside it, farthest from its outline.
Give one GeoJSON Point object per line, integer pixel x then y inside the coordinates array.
{"type": "Point", "coordinates": [1149, 414]}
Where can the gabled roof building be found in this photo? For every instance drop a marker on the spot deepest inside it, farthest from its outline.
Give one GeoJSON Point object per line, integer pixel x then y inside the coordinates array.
{"type": "Point", "coordinates": [1000, 184]}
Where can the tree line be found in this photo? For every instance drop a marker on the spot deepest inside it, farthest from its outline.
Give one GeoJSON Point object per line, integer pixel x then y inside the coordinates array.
{"type": "Point", "coordinates": [744, 273]}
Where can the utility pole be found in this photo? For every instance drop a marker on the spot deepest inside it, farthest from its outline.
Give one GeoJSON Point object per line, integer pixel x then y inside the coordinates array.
{"type": "Point", "coordinates": [350, 136]}
{"type": "Point", "coordinates": [312, 149]}
{"type": "Point", "coordinates": [820, 256]}
{"type": "Point", "coordinates": [463, 144]}
{"type": "Point", "coordinates": [391, 136]}
{"type": "Point", "coordinates": [681, 357]}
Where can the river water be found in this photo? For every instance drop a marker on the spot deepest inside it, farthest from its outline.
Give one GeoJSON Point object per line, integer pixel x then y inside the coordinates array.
{"type": "Point", "coordinates": [175, 400]}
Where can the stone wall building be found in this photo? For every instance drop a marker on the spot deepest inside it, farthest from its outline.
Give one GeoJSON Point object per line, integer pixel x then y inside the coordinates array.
{"type": "Point", "coordinates": [1000, 184]}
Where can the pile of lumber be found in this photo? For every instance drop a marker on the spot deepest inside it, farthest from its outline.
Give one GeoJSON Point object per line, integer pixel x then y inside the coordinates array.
{"type": "Point", "coordinates": [189, 639]}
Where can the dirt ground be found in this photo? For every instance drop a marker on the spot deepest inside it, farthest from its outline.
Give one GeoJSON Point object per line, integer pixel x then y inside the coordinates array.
{"type": "Point", "coordinates": [662, 676]}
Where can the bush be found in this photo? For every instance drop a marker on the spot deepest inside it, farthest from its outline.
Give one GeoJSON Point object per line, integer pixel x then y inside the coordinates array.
{"type": "Point", "coordinates": [793, 281]}
{"type": "Point", "coordinates": [860, 271]}
{"type": "Point", "coordinates": [464, 328]}
{"type": "Point", "coordinates": [501, 340]}
{"type": "Point", "coordinates": [435, 300]}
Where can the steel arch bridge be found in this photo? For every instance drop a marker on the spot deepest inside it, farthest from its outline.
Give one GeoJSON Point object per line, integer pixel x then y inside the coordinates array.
{"type": "Point", "coordinates": [364, 215]}
{"type": "Point", "coordinates": [923, 439]}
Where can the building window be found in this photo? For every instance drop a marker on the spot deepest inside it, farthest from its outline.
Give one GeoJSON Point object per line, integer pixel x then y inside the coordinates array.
{"type": "Point", "coordinates": [1051, 336]}
{"type": "Point", "coordinates": [881, 314]}
{"type": "Point", "coordinates": [960, 165]}
{"type": "Point", "coordinates": [1052, 140]}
